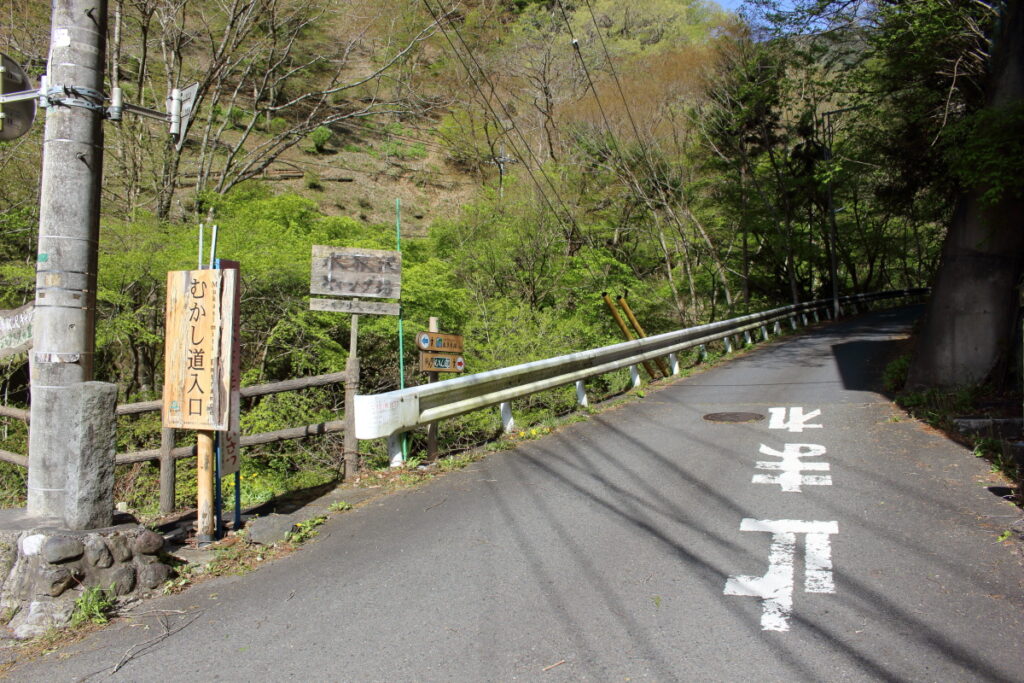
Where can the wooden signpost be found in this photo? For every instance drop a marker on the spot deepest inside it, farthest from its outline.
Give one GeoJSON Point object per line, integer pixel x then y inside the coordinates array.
{"type": "Point", "coordinates": [199, 359]}
{"type": "Point", "coordinates": [440, 352]}
{"type": "Point", "coordinates": [363, 273]}
{"type": "Point", "coordinates": [370, 273]}
{"type": "Point", "coordinates": [441, 362]}
{"type": "Point", "coordinates": [437, 341]}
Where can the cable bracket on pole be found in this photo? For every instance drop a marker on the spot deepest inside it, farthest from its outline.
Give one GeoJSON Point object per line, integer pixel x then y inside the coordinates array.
{"type": "Point", "coordinates": [75, 96]}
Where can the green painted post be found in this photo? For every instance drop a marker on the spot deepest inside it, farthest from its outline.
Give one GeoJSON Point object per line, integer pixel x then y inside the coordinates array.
{"type": "Point", "coordinates": [401, 342]}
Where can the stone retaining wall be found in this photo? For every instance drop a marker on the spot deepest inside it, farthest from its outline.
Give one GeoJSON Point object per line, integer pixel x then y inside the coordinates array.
{"type": "Point", "coordinates": [44, 570]}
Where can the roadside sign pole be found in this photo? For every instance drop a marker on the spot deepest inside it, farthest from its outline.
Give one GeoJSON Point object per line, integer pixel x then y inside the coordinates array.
{"type": "Point", "coordinates": [351, 444]}
{"type": "Point", "coordinates": [401, 342]}
{"type": "Point", "coordinates": [432, 427]}
{"type": "Point", "coordinates": [204, 498]}
{"type": "Point", "coordinates": [366, 274]}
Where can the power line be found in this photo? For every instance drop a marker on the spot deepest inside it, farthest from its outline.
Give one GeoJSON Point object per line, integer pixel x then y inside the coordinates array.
{"type": "Point", "coordinates": [508, 116]}
{"type": "Point", "coordinates": [615, 75]}
{"type": "Point", "coordinates": [640, 141]}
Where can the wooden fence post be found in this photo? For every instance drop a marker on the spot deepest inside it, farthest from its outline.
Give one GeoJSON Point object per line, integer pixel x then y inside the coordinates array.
{"type": "Point", "coordinates": [168, 473]}
{"type": "Point", "coordinates": [351, 444]}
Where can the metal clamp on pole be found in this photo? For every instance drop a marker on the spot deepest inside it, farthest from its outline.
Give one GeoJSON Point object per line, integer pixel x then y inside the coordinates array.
{"type": "Point", "coordinates": [75, 96]}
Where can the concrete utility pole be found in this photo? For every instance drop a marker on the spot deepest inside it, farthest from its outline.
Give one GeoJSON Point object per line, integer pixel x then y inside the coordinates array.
{"type": "Point", "coordinates": [63, 331]}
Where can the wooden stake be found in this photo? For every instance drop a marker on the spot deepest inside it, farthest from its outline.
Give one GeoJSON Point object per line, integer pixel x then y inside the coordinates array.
{"type": "Point", "coordinates": [639, 330]}
{"type": "Point", "coordinates": [351, 444]}
{"type": "Point", "coordinates": [625, 332]}
{"type": "Point", "coordinates": [204, 473]}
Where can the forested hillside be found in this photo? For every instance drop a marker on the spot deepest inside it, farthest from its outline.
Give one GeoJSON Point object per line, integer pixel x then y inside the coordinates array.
{"type": "Point", "coordinates": [543, 151]}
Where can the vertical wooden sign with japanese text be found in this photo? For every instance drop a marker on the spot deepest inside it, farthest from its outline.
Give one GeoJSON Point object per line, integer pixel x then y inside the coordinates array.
{"type": "Point", "coordinates": [198, 360]}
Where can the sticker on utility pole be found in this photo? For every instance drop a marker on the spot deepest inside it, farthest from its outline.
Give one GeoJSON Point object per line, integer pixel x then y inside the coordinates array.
{"type": "Point", "coordinates": [775, 588]}
{"type": "Point", "coordinates": [795, 421]}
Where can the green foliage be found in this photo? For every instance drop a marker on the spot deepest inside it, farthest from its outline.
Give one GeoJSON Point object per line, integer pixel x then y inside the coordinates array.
{"type": "Point", "coordinates": [278, 125]}
{"type": "Point", "coordinates": [320, 136]}
{"type": "Point", "coordinates": [237, 117]}
{"type": "Point", "coordinates": [93, 606]}
{"type": "Point", "coordinates": [986, 151]}
{"type": "Point", "coordinates": [399, 150]}
{"type": "Point", "coordinates": [895, 374]}
{"type": "Point", "coordinates": [312, 181]}
{"type": "Point", "coordinates": [306, 530]}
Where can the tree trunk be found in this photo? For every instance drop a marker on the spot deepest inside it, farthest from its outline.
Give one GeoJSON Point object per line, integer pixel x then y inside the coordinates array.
{"type": "Point", "coordinates": [968, 331]}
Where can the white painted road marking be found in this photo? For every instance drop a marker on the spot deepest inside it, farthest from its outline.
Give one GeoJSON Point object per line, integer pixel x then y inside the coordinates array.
{"type": "Point", "coordinates": [775, 588]}
{"type": "Point", "coordinates": [791, 467]}
{"type": "Point", "coordinates": [796, 422]}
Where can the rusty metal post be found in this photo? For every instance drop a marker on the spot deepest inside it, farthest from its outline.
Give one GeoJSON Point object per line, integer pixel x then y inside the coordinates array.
{"type": "Point", "coordinates": [640, 330]}
{"type": "Point", "coordinates": [625, 331]}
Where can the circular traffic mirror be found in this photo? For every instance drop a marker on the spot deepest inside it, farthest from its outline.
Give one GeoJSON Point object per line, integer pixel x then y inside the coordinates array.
{"type": "Point", "coordinates": [17, 116]}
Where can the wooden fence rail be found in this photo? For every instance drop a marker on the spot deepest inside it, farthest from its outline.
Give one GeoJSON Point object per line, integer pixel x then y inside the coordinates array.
{"type": "Point", "coordinates": [168, 453]}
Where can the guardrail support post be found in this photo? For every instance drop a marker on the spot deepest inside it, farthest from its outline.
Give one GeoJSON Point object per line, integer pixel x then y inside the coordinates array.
{"type": "Point", "coordinates": [803, 317]}
{"type": "Point", "coordinates": [728, 345]}
{"type": "Point", "coordinates": [816, 318]}
{"type": "Point", "coordinates": [508, 423]}
{"type": "Point", "coordinates": [702, 353]}
{"type": "Point", "coordinates": [673, 363]}
{"type": "Point", "coordinates": [764, 333]}
{"type": "Point", "coordinates": [168, 472]}
{"type": "Point", "coordinates": [581, 394]}
{"type": "Point", "coordinates": [746, 338]}
{"type": "Point", "coordinates": [634, 377]}
{"type": "Point", "coordinates": [395, 450]}
{"type": "Point", "coordinates": [792, 321]}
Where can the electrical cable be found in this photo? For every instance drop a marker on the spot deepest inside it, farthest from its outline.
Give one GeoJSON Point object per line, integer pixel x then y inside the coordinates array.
{"type": "Point", "coordinates": [574, 226]}
{"type": "Point", "coordinates": [636, 131]}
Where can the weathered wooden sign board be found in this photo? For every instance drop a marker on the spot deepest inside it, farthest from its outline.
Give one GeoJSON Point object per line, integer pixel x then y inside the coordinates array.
{"type": "Point", "coordinates": [16, 330]}
{"type": "Point", "coordinates": [342, 271]}
{"type": "Point", "coordinates": [437, 341]}
{"type": "Point", "coordinates": [356, 307]}
{"type": "Point", "coordinates": [198, 352]}
{"type": "Point", "coordinates": [441, 362]}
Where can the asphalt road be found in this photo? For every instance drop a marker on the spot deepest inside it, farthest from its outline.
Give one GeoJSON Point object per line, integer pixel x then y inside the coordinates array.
{"type": "Point", "coordinates": [645, 543]}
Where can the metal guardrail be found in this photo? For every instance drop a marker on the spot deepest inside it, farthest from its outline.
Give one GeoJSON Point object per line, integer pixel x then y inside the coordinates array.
{"type": "Point", "coordinates": [389, 414]}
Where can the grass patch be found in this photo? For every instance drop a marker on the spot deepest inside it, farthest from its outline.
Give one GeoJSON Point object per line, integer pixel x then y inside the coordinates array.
{"type": "Point", "coordinates": [93, 606]}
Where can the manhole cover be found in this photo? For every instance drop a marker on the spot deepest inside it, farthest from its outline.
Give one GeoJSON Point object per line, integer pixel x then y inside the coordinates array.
{"type": "Point", "coordinates": [733, 417]}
